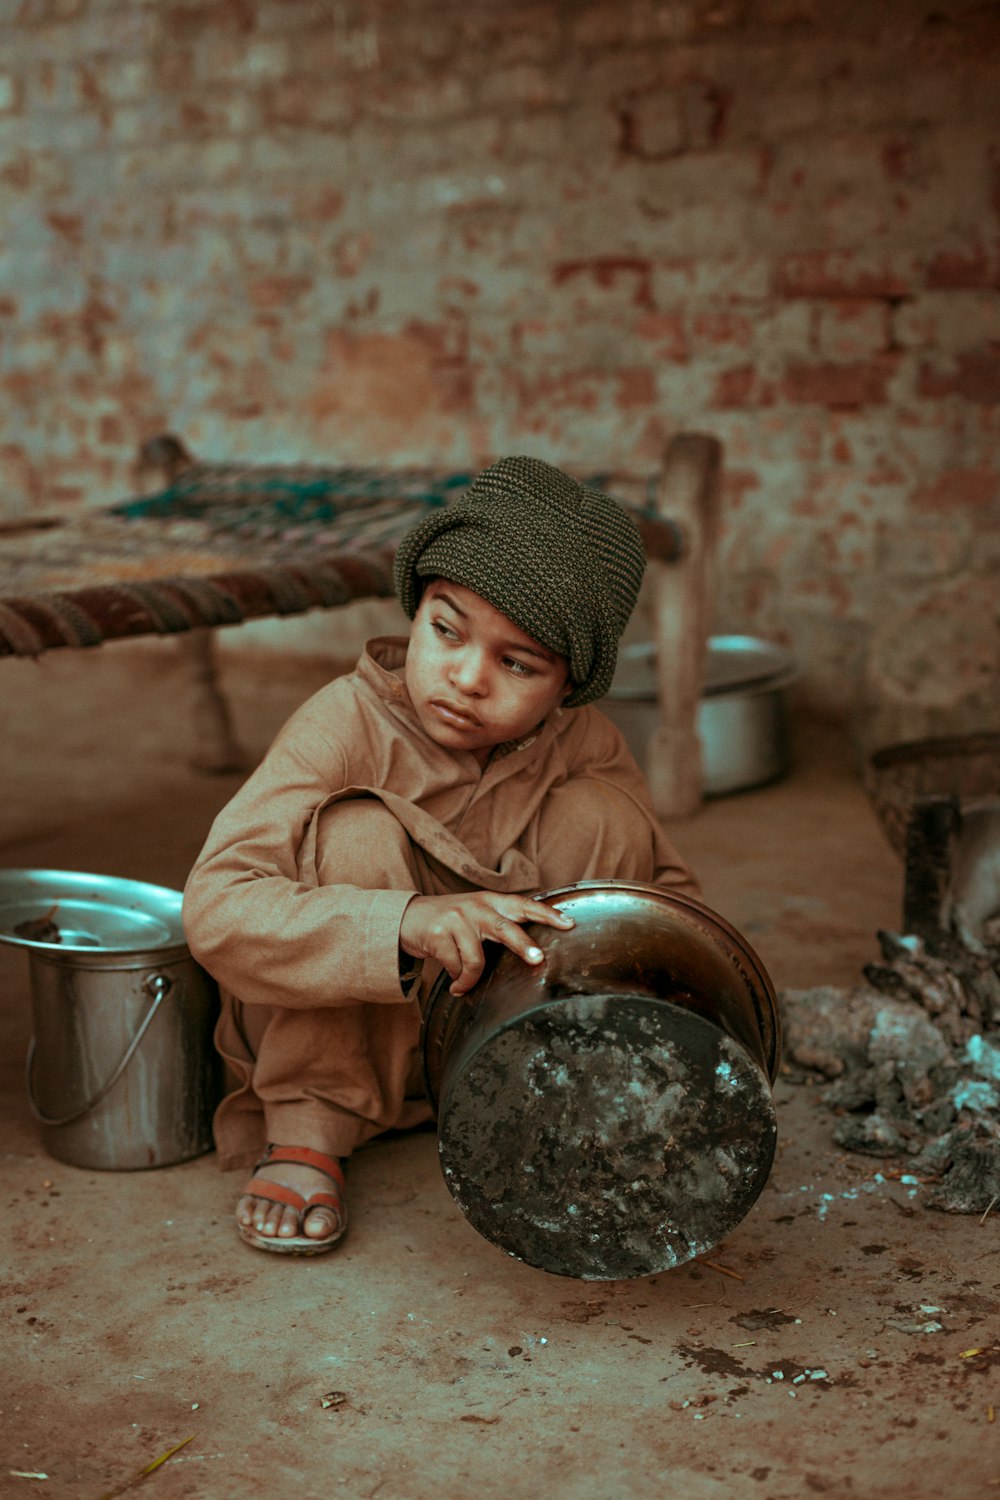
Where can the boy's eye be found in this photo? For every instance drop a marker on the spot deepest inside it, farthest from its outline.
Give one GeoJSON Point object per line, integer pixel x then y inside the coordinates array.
{"type": "Point", "coordinates": [444, 629]}
{"type": "Point", "coordinates": [519, 668]}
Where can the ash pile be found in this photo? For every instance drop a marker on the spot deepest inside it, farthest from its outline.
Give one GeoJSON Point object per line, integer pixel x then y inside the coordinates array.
{"type": "Point", "coordinates": [911, 1056]}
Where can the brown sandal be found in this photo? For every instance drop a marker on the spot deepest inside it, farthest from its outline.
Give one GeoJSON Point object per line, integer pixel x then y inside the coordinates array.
{"type": "Point", "coordinates": [276, 1192]}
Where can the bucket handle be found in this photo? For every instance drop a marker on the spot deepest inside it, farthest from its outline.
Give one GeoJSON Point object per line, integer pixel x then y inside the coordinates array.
{"type": "Point", "coordinates": [156, 985]}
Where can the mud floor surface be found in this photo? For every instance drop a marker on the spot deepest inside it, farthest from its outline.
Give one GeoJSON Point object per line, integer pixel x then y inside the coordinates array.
{"type": "Point", "coordinates": [843, 1341]}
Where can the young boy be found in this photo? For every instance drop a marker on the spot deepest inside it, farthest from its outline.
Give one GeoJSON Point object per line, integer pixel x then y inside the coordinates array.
{"type": "Point", "coordinates": [406, 814]}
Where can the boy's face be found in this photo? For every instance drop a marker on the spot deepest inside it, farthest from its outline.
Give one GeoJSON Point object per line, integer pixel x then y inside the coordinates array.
{"type": "Point", "coordinates": [474, 678]}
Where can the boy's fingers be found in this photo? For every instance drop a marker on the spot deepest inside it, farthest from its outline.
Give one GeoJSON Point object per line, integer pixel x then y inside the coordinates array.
{"type": "Point", "coordinates": [471, 963]}
{"type": "Point", "coordinates": [506, 913]}
{"type": "Point", "coordinates": [539, 912]}
{"type": "Point", "coordinates": [514, 937]}
{"type": "Point", "coordinates": [524, 909]}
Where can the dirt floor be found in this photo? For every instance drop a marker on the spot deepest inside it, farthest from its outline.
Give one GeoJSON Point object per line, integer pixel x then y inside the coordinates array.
{"type": "Point", "coordinates": [826, 1348]}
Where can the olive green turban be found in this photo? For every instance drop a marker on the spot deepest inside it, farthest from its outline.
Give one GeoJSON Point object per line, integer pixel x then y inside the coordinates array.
{"type": "Point", "coordinates": [562, 561]}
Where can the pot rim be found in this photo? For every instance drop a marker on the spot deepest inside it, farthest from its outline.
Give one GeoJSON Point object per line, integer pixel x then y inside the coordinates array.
{"type": "Point", "coordinates": [709, 919]}
{"type": "Point", "coordinates": [442, 1011]}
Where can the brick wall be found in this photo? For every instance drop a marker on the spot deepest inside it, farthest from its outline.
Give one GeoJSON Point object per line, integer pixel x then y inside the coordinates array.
{"type": "Point", "coordinates": [446, 229]}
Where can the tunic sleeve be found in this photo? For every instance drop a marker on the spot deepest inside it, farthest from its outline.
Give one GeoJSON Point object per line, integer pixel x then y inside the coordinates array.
{"type": "Point", "coordinates": [254, 914]}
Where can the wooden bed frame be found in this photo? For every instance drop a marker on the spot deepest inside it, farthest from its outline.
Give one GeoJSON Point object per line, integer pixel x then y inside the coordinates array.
{"type": "Point", "coordinates": [213, 544]}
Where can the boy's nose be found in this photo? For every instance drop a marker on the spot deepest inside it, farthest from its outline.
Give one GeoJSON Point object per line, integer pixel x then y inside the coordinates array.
{"type": "Point", "coordinates": [468, 673]}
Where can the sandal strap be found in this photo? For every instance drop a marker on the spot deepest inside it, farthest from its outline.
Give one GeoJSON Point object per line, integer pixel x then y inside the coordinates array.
{"type": "Point", "coordinates": [276, 1192]}
{"type": "Point", "coordinates": [305, 1156]}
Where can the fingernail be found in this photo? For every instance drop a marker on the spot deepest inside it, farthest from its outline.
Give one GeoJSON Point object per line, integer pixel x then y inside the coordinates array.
{"type": "Point", "coordinates": [565, 917]}
{"type": "Point", "coordinates": [535, 955]}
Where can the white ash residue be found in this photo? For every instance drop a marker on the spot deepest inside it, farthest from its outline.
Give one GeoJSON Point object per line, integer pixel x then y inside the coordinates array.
{"type": "Point", "coordinates": [912, 1060]}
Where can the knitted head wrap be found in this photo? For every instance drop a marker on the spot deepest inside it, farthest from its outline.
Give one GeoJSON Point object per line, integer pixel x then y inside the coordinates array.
{"type": "Point", "coordinates": [562, 561]}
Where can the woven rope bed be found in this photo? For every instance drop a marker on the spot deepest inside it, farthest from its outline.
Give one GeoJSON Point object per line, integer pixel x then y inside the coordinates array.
{"type": "Point", "coordinates": [215, 544]}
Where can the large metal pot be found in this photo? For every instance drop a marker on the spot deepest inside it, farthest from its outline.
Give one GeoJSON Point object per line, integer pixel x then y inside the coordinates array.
{"type": "Point", "coordinates": [608, 1113]}
{"type": "Point", "coordinates": [743, 716]}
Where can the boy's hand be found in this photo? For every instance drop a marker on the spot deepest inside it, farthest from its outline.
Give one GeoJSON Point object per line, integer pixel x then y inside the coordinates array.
{"type": "Point", "coordinates": [451, 929]}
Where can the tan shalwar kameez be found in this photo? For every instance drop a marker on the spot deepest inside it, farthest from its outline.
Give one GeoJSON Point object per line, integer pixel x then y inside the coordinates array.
{"type": "Point", "coordinates": [295, 902]}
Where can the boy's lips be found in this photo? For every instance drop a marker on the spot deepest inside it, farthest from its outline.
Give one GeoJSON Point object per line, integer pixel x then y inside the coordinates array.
{"type": "Point", "coordinates": [452, 714]}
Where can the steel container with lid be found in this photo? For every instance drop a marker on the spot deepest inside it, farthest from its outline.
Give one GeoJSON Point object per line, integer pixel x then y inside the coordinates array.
{"type": "Point", "coordinates": [122, 1073]}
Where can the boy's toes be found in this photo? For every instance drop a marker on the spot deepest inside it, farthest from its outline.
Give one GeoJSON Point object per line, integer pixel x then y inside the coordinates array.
{"type": "Point", "coordinates": [269, 1218]}
{"type": "Point", "coordinates": [272, 1219]}
{"type": "Point", "coordinates": [320, 1223]}
{"type": "Point", "coordinates": [281, 1217]}
{"type": "Point", "coordinates": [244, 1210]}
{"type": "Point", "coordinates": [285, 1223]}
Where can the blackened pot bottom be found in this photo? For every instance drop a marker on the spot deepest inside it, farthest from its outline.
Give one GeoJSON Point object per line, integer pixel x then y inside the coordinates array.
{"type": "Point", "coordinates": [607, 1136]}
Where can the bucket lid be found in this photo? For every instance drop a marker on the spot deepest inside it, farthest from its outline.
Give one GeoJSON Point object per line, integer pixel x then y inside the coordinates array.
{"type": "Point", "coordinates": [67, 911]}
{"type": "Point", "coordinates": [732, 662]}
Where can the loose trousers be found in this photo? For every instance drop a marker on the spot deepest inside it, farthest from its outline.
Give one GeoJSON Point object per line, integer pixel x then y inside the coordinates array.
{"type": "Point", "coordinates": [333, 1078]}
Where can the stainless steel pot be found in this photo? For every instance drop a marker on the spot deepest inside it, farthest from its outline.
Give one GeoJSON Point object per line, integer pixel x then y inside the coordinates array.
{"type": "Point", "coordinates": [608, 1114]}
{"type": "Point", "coordinates": [743, 717]}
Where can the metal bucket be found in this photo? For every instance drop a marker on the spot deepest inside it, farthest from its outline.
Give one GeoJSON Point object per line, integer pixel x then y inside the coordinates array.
{"type": "Point", "coordinates": [122, 1073]}
{"type": "Point", "coordinates": [608, 1113]}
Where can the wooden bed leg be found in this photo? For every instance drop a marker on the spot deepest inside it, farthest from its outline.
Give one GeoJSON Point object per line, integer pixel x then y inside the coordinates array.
{"type": "Point", "coordinates": [683, 611]}
{"type": "Point", "coordinates": [215, 747]}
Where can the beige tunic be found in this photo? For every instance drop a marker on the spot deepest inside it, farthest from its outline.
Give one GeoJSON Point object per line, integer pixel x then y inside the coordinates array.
{"type": "Point", "coordinates": [295, 902]}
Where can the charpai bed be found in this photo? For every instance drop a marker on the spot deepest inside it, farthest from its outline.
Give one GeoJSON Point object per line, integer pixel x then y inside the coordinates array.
{"type": "Point", "coordinates": [215, 544]}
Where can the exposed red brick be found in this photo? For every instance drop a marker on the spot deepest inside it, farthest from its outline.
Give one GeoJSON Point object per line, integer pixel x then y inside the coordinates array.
{"type": "Point", "coordinates": [194, 116]}
{"type": "Point", "coordinates": [741, 387]}
{"type": "Point", "coordinates": [324, 205]}
{"type": "Point", "coordinates": [288, 103]}
{"type": "Point", "coordinates": [68, 226]}
{"type": "Point", "coordinates": [605, 271]}
{"type": "Point", "coordinates": [721, 103]}
{"type": "Point", "coordinates": [884, 472]}
{"type": "Point", "coordinates": [896, 159]}
{"type": "Point", "coordinates": [976, 267]}
{"type": "Point", "coordinates": [650, 126]}
{"type": "Point", "coordinates": [67, 495]}
{"type": "Point", "coordinates": [230, 15]}
{"type": "Point", "coordinates": [668, 331]}
{"type": "Point", "coordinates": [20, 472]}
{"type": "Point", "coordinates": [723, 330]}
{"type": "Point", "coordinates": [380, 378]}
{"type": "Point", "coordinates": [847, 328]}
{"type": "Point", "coordinates": [854, 384]}
{"type": "Point", "coordinates": [736, 485]}
{"type": "Point", "coordinates": [974, 375]}
{"type": "Point", "coordinates": [17, 173]}
{"type": "Point", "coordinates": [823, 273]}
{"type": "Point", "coordinates": [277, 291]}
{"type": "Point", "coordinates": [446, 342]}
{"type": "Point", "coordinates": [93, 320]}
{"type": "Point", "coordinates": [972, 491]}
{"type": "Point", "coordinates": [461, 286]}
{"type": "Point", "coordinates": [577, 390]}
{"type": "Point", "coordinates": [635, 388]}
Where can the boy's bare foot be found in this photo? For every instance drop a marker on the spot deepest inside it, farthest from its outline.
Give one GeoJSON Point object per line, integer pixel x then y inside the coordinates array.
{"type": "Point", "coordinates": [294, 1202]}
